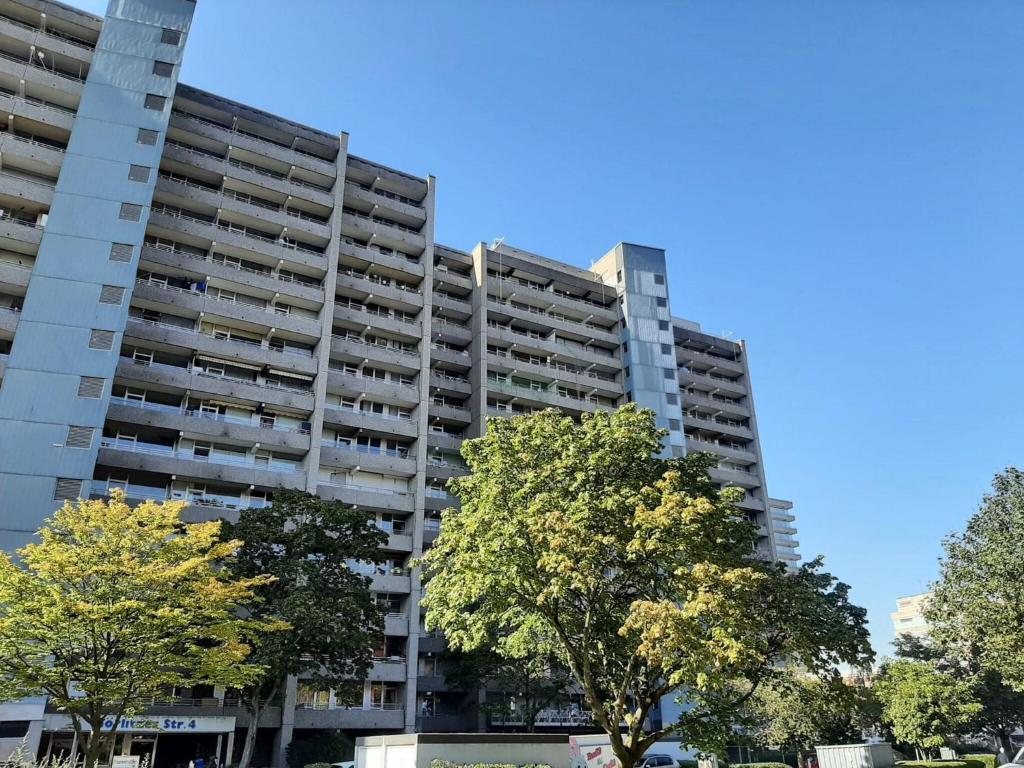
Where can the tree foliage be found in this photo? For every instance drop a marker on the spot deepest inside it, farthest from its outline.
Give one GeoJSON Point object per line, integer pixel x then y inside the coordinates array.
{"type": "Point", "coordinates": [116, 604]}
{"type": "Point", "coordinates": [638, 569]}
{"type": "Point", "coordinates": [306, 545]}
{"type": "Point", "coordinates": [923, 705]}
{"type": "Point", "coordinates": [978, 603]}
{"type": "Point", "coordinates": [800, 712]}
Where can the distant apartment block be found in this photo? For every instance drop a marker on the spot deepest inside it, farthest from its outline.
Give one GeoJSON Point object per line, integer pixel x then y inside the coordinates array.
{"type": "Point", "coordinates": [908, 619]}
{"type": "Point", "coordinates": [204, 302]}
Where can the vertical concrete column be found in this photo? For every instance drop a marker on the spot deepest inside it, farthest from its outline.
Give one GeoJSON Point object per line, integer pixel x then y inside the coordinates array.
{"type": "Point", "coordinates": [327, 319]}
{"type": "Point", "coordinates": [478, 347]}
{"type": "Point", "coordinates": [284, 734]}
{"type": "Point", "coordinates": [77, 301]}
{"type": "Point", "coordinates": [766, 515]}
{"type": "Point", "coordinates": [412, 651]}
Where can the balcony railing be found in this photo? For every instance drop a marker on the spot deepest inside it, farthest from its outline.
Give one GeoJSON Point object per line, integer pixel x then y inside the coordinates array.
{"type": "Point", "coordinates": [54, 33]}
{"type": "Point", "coordinates": [135, 446]}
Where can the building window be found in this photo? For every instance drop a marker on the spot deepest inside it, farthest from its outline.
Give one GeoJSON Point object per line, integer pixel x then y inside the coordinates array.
{"type": "Point", "coordinates": [670, 373]}
{"type": "Point", "coordinates": [155, 102]}
{"type": "Point", "coordinates": [91, 387]}
{"type": "Point", "coordinates": [666, 349]}
{"type": "Point", "coordinates": [163, 68]}
{"type": "Point", "coordinates": [147, 137]}
{"type": "Point", "coordinates": [103, 340]}
{"type": "Point", "coordinates": [663, 325]}
{"type": "Point", "coordinates": [625, 371]}
{"type": "Point", "coordinates": [659, 279]}
{"type": "Point", "coordinates": [674, 424]}
{"type": "Point", "coordinates": [661, 301]}
{"type": "Point", "coordinates": [170, 36]}
{"type": "Point", "coordinates": [121, 251]}
{"type": "Point", "coordinates": [672, 399]}
{"type": "Point", "coordinates": [618, 276]}
{"type": "Point", "coordinates": [112, 294]}
{"type": "Point", "coordinates": [79, 437]}
{"type": "Point", "coordinates": [138, 173]}
{"type": "Point", "coordinates": [67, 489]}
{"type": "Point", "coordinates": [131, 212]}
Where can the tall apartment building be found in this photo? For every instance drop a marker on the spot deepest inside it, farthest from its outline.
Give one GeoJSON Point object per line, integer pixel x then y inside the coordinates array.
{"type": "Point", "coordinates": [204, 302]}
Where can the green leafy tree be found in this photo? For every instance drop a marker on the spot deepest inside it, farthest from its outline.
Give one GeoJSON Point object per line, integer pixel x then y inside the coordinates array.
{"type": "Point", "coordinates": [924, 706]}
{"type": "Point", "coordinates": [325, 747]}
{"type": "Point", "coordinates": [306, 545]}
{"type": "Point", "coordinates": [533, 676]}
{"type": "Point", "coordinates": [116, 604]}
{"type": "Point", "coordinates": [637, 568]}
{"type": "Point", "coordinates": [978, 606]}
{"type": "Point", "coordinates": [798, 713]}
{"type": "Point", "coordinates": [1001, 707]}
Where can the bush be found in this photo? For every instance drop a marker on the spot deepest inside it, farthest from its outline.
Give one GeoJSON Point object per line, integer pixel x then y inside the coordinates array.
{"type": "Point", "coordinates": [328, 747]}
{"type": "Point", "coordinates": [963, 763]}
{"type": "Point", "coordinates": [759, 765]}
{"type": "Point", "coordinates": [449, 764]}
{"type": "Point", "coordinates": [987, 761]}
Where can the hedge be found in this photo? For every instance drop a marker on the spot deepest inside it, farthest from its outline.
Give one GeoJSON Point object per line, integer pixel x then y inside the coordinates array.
{"type": "Point", "coordinates": [986, 760]}
{"type": "Point", "coordinates": [965, 762]}
{"type": "Point", "coordinates": [759, 765]}
{"type": "Point", "coordinates": [450, 764]}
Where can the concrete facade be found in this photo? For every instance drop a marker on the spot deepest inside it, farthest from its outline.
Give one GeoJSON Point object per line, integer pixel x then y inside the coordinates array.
{"type": "Point", "coordinates": [218, 302]}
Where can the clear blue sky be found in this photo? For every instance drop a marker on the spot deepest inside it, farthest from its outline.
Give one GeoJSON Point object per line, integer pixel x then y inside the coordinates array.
{"type": "Point", "coordinates": [840, 183]}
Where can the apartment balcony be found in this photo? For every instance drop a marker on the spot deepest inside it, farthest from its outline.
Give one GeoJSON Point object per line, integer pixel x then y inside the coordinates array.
{"type": "Point", "coordinates": [9, 321]}
{"type": "Point", "coordinates": [33, 153]}
{"type": "Point", "coordinates": [14, 274]}
{"type": "Point", "coordinates": [509, 287]}
{"type": "Point", "coordinates": [453, 358]}
{"type": "Point", "coordinates": [354, 719]}
{"type": "Point", "coordinates": [373, 423]}
{"type": "Point", "coordinates": [399, 542]}
{"type": "Point", "coordinates": [51, 84]}
{"type": "Point", "coordinates": [592, 381]}
{"type": "Point", "coordinates": [36, 109]}
{"type": "Point", "coordinates": [689, 377]}
{"type": "Point", "coordinates": [26, 187]}
{"type": "Point", "coordinates": [397, 463]}
{"type": "Point", "coordinates": [395, 583]}
{"type": "Point", "coordinates": [390, 670]}
{"type": "Point", "coordinates": [438, 502]}
{"type": "Point", "coordinates": [533, 314]}
{"type": "Point", "coordinates": [754, 505]}
{"type": "Point", "coordinates": [542, 398]}
{"type": "Point", "coordinates": [364, 227]}
{"type": "Point", "coordinates": [736, 477]}
{"type": "Point", "coordinates": [396, 625]}
{"type": "Point", "coordinates": [445, 441]}
{"type": "Point", "coordinates": [721, 449]}
{"type": "Point", "coordinates": [155, 295]}
{"type": "Point", "coordinates": [252, 143]}
{"type": "Point", "coordinates": [159, 376]}
{"type": "Point", "coordinates": [217, 427]}
{"type": "Point", "coordinates": [140, 456]}
{"type": "Point", "coordinates": [231, 241]}
{"type": "Point", "coordinates": [440, 382]}
{"type": "Point", "coordinates": [397, 181]}
{"type": "Point", "coordinates": [454, 413]}
{"type": "Point", "coordinates": [444, 470]}
{"type": "Point", "coordinates": [432, 642]}
{"type": "Point", "coordinates": [364, 286]}
{"type": "Point", "coordinates": [20, 230]}
{"type": "Point", "coordinates": [400, 206]}
{"type": "Point", "coordinates": [443, 276]}
{"type": "Point", "coordinates": [203, 265]}
{"type": "Point", "coordinates": [51, 40]}
{"type": "Point", "coordinates": [229, 201]}
{"type": "Point", "coordinates": [355, 348]}
{"type": "Point", "coordinates": [368, 497]}
{"type": "Point", "coordinates": [546, 347]}
{"type": "Point", "coordinates": [783, 517]}
{"type": "Point", "coordinates": [709, 424]}
{"type": "Point", "coordinates": [341, 383]}
{"type": "Point", "coordinates": [726, 406]}
{"type": "Point", "coordinates": [450, 331]}
{"type": "Point", "coordinates": [412, 329]}
{"type": "Point", "coordinates": [252, 354]}
{"type": "Point", "coordinates": [397, 261]}
{"type": "Point", "coordinates": [685, 356]}
{"type": "Point", "coordinates": [454, 305]}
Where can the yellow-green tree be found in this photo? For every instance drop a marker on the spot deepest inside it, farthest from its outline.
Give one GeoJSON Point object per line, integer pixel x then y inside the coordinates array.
{"type": "Point", "coordinates": [115, 604]}
{"type": "Point", "coordinates": [636, 569]}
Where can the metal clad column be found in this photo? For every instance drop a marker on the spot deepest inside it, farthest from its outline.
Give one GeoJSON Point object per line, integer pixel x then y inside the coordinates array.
{"type": "Point", "coordinates": [60, 337]}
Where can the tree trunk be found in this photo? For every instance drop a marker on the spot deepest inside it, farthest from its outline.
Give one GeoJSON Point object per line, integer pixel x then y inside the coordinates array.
{"type": "Point", "coordinates": [250, 741]}
{"type": "Point", "coordinates": [1004, 743]}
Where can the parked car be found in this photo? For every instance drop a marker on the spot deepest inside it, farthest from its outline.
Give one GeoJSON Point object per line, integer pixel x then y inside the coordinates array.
{"type": "Point", "coordinates": [1017, 762]}
{"type": "Point", "coordinates": [656, 761]}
